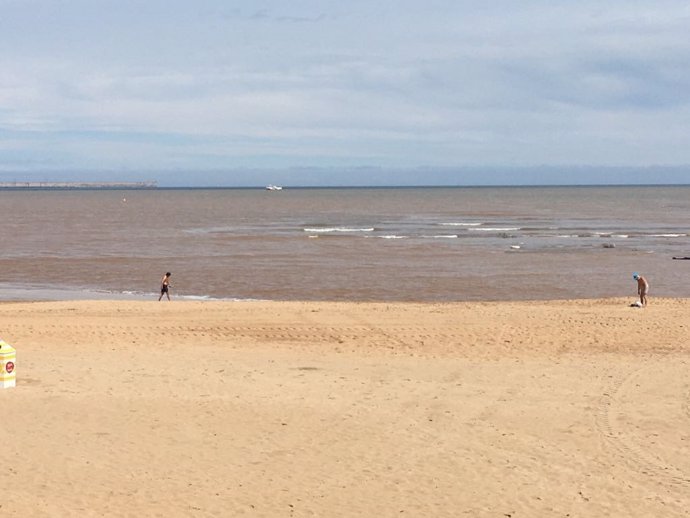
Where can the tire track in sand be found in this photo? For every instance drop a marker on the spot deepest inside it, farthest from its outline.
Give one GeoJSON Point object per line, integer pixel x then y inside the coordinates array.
{"type": "Point", "coordinates": [621, 430]}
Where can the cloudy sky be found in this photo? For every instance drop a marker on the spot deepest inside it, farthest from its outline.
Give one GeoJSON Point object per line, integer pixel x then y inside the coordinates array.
{"type": "Point", "coordinates": [234, 93]}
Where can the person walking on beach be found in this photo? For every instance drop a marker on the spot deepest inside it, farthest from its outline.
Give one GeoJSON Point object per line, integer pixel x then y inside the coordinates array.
{"type": "Point", "coordinates": [642, 288]}
{"type": "Point", "coordinates": [165, 286]}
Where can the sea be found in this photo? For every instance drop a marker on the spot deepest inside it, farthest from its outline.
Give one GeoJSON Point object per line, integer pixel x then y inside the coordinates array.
{"type": "Point", "coordinates": [434, 244]}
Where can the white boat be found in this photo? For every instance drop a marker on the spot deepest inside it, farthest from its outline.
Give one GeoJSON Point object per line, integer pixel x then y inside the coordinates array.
{"type": "Point", "coordinates": [273, 188]}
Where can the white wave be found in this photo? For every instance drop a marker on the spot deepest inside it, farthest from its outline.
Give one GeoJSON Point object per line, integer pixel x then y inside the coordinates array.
{"type": "Point", "coordinates": [210, 230]}
{"type": "Point", "coordinates": [460, 224]}
{"type": "Point", "coordinates": [495, 229]}
{"type": "Point", "coordinates": [451, 236]}
{"type": "Point", "coordinates": [620, 236]}
{"type": "Point", "coordinates": [338, 229]}
{"type": "Point", "coordinates": [392, 237]}
{"type": "Point", "coordinates": [669, 235]}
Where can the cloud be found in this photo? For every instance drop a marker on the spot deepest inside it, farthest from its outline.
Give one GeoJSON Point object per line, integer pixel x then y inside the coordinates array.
{"type": "Point", "coordinates": [386, 83]}
{"type": "Point", "coordinates": [266, 15]}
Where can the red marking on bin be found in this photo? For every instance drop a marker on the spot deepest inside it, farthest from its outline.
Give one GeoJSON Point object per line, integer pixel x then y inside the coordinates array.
{"type": "Point", "coordinates": [9, 367]}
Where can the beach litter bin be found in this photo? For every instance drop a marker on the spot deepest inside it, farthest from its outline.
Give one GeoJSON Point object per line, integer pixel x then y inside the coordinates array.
{"type": "Point", "coordinates": [8, 356]}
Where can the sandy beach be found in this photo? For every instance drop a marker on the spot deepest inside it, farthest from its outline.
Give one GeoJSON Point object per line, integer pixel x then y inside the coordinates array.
{"type": "Point", "coordinates": [516, 409]}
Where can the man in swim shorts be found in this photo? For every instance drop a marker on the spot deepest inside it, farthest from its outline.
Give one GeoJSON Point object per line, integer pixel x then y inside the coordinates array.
{"type": "Point", "coordinates": [165, 286]}
{"type": "Point", "coordinates": [642, 288]}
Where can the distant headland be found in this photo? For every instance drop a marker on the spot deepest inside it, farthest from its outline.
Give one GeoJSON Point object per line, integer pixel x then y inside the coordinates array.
{"type": "Point", "coordinates": [79, 185]}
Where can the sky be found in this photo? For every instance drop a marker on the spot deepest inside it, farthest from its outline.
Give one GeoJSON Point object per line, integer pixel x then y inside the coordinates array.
{"type": "Point", "coordinates": [340, 92]}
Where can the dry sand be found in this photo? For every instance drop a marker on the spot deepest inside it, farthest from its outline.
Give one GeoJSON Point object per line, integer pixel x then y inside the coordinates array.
{"type": "Point", "coordinates": [572, 408]}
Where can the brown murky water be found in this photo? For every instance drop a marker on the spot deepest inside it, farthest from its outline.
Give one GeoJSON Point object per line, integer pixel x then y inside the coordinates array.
{"type": "Point", "coordinates": [423, 244]}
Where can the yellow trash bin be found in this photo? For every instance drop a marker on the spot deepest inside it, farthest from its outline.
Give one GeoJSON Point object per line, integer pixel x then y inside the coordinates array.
{"type": "Point", "coordinates": [8, 356]}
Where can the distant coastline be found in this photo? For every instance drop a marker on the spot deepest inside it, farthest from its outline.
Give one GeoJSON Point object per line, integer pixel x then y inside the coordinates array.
{"type": "Point", "coordinates": [77, 185]}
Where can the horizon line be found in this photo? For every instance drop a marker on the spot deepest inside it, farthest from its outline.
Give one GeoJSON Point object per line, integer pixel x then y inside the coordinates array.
{"type": "Point", "coordinates": [114, 186]}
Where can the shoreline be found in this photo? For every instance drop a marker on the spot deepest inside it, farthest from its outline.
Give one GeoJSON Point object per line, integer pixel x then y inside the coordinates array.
{"type": "Point", "coordinates": [97, 297]}
{"type": "Point", "coordinates": [10, 292]}
{"type": "Point", "coordinates": [344, 409]}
